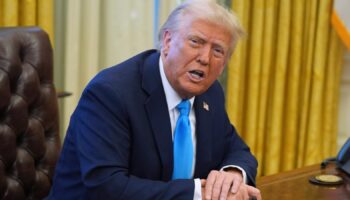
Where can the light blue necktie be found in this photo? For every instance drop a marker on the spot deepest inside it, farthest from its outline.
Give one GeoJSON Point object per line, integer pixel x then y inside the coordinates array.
{"type": "Point", "coordinates": [183, 147]}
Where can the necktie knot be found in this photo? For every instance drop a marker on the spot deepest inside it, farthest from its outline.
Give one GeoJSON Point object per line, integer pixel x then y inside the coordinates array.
{"type": "Point", "coordinates": [184, 107]}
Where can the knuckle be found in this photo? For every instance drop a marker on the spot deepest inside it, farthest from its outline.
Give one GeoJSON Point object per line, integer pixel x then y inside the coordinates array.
{"type": "Point", "coordinates": [227, 181]}
{"type": "Point", "coordinates": [217, 187]}
{"type": "Point", "coordinates": [225, 189]}
{"type": "Point", "coordinates": [216, 194]}
{"type": "Point", "coordinates": [212, 174]}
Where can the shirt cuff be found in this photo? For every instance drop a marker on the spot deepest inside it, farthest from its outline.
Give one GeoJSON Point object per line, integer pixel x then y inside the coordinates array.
{"type": "Point", "coordinates": [197, 189]}
{"type": "Point", "coordinates": [237, 167]}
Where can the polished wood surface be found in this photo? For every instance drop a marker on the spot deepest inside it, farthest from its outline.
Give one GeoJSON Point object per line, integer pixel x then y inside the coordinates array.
{"type": "Point", "coordinates": [295, 185]}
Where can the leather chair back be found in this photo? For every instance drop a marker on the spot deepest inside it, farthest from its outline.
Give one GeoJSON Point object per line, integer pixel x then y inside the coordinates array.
{"type": "Point", "coordinates": [29, 135]}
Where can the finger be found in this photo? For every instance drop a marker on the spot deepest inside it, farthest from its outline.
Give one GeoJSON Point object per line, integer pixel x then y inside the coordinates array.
{"type": "Point", "coordinates": [209, 184]}
{"type": "Point", "coordinates": [245, 194]}
{"type": "Point", "coordinates": [203, 181]}
{"type": "Point", "coordinates": [238, 196]}
{"type": "Point", "coordinates": [235, 185]}
{"type": "Point", "coordinates": [217, 186]}
{"type": "Point", "coordinates": [232, 197]}
{"type": "Point", "coordinates": [225, 188]}
{"type": "Point", "coordinates": [254, 192]}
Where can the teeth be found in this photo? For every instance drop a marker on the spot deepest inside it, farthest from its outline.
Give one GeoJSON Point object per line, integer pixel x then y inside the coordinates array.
{"type": "Point", "coordinates": [197, 73]}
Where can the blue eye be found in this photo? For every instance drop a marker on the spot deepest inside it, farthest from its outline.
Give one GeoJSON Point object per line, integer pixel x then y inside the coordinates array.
{"type": "Point", "coordinates": [194, 41]}
{"type": "Point", "coordinates": [218, 52]}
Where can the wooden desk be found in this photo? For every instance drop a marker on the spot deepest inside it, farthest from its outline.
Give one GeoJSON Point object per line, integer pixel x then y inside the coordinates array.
{"type": "Point", "coordinates": [295, 185]}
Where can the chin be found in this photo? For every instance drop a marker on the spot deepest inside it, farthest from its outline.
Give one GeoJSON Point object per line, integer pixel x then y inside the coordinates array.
{"type": "Point", "coordinates": [192, 93]}
{"type": "Point", "coordinates": [190, 90]}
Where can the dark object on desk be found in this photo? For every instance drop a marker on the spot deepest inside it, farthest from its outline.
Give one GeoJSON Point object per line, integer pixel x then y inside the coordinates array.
{"type": "Point", "coordinates": [29, 135]}
{"type": "Point", "coordinates": [342, 160]}
{"type": "Point", "coordinates": [343, 157]}
{"type": "Point", "coordinates": [61, 94]}
{"type": "Point", "coordinates": [346, 167]}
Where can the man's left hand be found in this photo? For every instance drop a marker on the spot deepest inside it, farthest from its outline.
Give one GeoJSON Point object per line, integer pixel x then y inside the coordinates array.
{"type": "Point", "coordinates": [220, 183]}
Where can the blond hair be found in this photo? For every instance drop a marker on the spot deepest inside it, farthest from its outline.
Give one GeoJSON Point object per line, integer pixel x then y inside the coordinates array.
{"type": "Point", "coordinates": [203, 9]}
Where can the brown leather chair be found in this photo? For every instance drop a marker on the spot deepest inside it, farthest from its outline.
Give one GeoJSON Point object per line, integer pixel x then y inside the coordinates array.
{"type": "Point", "coordinates": [29, 135]}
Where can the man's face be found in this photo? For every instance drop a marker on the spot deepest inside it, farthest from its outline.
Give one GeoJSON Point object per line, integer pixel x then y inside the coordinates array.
{"type": "Point", "coordinates": [195, 55]}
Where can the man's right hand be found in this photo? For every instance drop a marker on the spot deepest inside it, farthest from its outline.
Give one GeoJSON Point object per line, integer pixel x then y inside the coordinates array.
{"type": "Point", "coordinates": [245, 192]}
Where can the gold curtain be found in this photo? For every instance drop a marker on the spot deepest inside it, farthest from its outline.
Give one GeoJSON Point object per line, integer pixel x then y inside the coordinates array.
{"type": "Point", "coordinates": [283, 82]}
{"type": "Point", "coordinates": [94, 34]}
{"type": "Point", "coordinates": [27, 13]}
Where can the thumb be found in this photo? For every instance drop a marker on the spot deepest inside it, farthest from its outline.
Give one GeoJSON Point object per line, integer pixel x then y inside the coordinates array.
{"type": "Point", "coordinates": [254, 192]}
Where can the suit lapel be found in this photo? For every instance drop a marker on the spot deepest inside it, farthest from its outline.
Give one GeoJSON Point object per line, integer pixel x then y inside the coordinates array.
{"type": "Point", "coordinates": [157, 111]}
{"type": "Point", "coordinates": [204, 134]}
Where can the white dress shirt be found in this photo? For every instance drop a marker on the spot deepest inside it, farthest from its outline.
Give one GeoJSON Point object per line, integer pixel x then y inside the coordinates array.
{"type": "Point", "coordinates": [173, 99]}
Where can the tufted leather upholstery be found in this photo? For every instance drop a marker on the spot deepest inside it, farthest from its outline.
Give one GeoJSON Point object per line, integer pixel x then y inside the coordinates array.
{"type": "Point", "coordinates": [29, 137]}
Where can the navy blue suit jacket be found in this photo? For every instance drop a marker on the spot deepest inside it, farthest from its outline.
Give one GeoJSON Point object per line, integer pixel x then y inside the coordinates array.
{"type": "Point", "coordinates": [119, 142]}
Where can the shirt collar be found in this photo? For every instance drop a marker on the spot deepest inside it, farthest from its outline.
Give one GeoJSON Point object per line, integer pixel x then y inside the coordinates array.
{"type": "Point", "coordinates": [172, 98]}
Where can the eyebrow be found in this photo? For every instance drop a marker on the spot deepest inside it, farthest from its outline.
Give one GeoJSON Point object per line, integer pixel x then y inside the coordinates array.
{"type": "Point", "coordinates": [204, 40]}
{"type": "Point", "coordinates": [217, 43]}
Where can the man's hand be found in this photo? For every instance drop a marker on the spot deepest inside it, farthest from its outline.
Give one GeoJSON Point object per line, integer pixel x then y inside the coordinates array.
{"type": "Point", "coordinates": [220, 183]}
{"type": "Point", "coordinates": [227, 185]}
{"type": "Point", "coordinates": [245, 192]}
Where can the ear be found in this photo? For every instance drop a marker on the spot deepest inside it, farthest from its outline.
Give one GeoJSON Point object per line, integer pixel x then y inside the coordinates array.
{"type": "Point", "coordinates": [166, 42]}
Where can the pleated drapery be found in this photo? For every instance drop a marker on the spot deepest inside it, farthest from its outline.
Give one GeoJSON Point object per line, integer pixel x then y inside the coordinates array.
{"type": "Point", "coordinates": [283, 82]}
{"type": "Point", "coordinates": [95, 34]}
{"type": "Point", "coordinates": [28, 13]}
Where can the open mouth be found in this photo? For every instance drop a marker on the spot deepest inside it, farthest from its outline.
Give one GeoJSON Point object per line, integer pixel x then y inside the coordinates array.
{"type": "Point", "coordinates": [197, 74]}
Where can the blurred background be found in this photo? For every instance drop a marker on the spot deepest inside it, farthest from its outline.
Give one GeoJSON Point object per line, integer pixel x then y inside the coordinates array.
{"type": "Point", "coordinates": [287, 85]}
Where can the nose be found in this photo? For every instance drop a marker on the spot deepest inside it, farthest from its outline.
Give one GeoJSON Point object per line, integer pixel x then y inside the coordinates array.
{"type": "Point", "coordinates": [204, 56]}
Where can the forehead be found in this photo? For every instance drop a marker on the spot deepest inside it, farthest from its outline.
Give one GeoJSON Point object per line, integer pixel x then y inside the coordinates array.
{"type": "Point", "coordinates": [207, 30]}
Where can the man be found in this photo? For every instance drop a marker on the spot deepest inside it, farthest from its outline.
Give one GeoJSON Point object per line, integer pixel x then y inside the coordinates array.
{"type": "Point", "coordinates": [130, 138]}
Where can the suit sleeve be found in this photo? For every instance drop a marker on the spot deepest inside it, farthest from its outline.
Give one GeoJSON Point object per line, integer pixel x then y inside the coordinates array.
{"type": "Point", "coordinates": [237, 151]}
{"type": "Point", "coordinates": [238, 154]}
{"type": "Point", "coordinates": [103, 137]}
